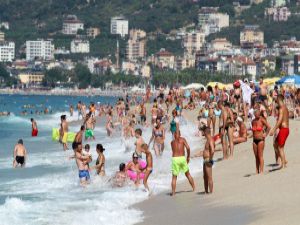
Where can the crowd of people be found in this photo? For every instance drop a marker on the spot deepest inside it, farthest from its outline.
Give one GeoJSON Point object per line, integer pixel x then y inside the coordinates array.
{"type": "Point", "coordinates": [225, 119]}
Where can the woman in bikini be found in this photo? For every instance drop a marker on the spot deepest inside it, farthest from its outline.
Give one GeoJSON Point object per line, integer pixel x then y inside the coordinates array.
{"type": "Point", "coordinates": [100, 163]}
{"type": "Point", "coordinates": [211, 119]}
{"type": "Point", "coordinates": [154, 112]}
{"type": "Point", "coordinates": [109, 124]}
{"type": "Point", "coordinates": [158, 135]}
{"type": "Point", "coordinates": [260, 129]}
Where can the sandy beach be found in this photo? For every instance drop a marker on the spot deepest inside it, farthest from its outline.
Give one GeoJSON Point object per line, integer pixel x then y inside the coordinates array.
{"type": "Point", "coordinates": [240, 196]}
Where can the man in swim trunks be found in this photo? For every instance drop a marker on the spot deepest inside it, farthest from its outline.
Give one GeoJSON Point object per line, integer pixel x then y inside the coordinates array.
{"type": "Point", "coordinates": [82, 164]}
{"type": "Point", "coordinates": [263, 91]}
{"type": "Point", "coordinates": [20, 154]}
{"type": "Point", "coordinates": [179, 161]}
{"type": "Point", "coordinates": [89, 123]}
{"type": "Point", "coordinates": [64, 132]}
{"type": "Point", "coordinates": [78, 138]}
{"type": "Point", "coordinates": [34, 131]}
{"type": "Point", "coordinates": [283, 125]}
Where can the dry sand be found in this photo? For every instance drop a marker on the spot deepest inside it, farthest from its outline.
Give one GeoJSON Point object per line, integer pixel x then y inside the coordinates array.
{"type": "Point", "coordinates": [240, 196]}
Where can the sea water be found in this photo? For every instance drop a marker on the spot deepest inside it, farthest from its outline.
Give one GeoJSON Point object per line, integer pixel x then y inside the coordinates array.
{"type": "Point", "coordinates": [47, 191]}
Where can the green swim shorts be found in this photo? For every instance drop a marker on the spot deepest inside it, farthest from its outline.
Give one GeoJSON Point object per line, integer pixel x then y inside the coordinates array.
{"type": "Point", "coordinates": [89, 133]}
{"type": "Point", "coordinates": [179, 164]}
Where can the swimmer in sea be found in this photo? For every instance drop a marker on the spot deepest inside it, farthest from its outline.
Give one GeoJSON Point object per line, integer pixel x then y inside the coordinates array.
{"type": "Point", "coordinates": [64, 132]}
{"type": "Point", "coordinates": [34, 130]}
{"type": "Point", "coordinates": [20, 154]}
{"type": "Point", "coordinates": [120, 178]}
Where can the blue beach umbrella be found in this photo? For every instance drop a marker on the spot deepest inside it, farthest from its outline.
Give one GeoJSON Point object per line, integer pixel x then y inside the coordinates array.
{"type": "Point", "coordinates": [291, 80]}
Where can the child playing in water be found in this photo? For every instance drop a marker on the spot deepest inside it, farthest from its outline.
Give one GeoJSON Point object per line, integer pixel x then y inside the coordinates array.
{"type": "Point", "coordinates": [149, 168]}
{"type": "Point", "coordinates": [86, 152]}
{"type": "Point", "coordinates": [120, 178]}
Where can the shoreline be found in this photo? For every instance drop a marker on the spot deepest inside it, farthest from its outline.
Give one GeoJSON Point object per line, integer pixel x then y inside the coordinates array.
{"type": "Point", "coordinates": [240, 196]}
{"type": "Point", "coordinates": [75, 93]}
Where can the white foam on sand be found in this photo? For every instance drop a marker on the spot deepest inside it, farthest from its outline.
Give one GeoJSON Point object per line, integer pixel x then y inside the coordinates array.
{"type": "Point", "coordinates": [57, 198]}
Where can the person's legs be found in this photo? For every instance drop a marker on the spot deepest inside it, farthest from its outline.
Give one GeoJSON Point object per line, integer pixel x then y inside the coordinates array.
{"type": "Point", "coordinates": [209, 178]}
{"type": "Point", "coordinates": [191, 180]}
{"type": "Point", "coordinates": [276, 150]}
{"type": "Point", "coordinates": [214, 125]}
{"type": "Point", "coordinates": [147, 174]}
{"type": "Point", "coordinates": [205, 179]}
{"type": "Point", "coordinates": [239, 140]}
{"type": "Point", "coordinates": [260, 154]}
{"type": "Point", "coordinates": [230, 139]}
{"type": "Point", "coordinates": [174, 179]}
{"type": "Point", "coordinates": [162, 147]}
{"type": "Point", "coordinates": [209, 122]}
{"type": "Point", "coordinates": [282, 157]}
{"type": "Point", "coordinates": [256, 157]}
{"type": "Point", "coordinates": [224, 145]}
{"type": "Point", "coordinates": [156, 149]}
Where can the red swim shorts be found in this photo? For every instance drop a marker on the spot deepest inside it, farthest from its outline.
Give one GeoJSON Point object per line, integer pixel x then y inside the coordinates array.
{"type": "Point", "coordinates": [282, 136]}
{"type": "Point", "coordinates": [34, 133]}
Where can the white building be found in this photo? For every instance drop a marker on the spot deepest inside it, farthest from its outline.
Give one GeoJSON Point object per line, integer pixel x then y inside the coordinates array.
{"type": "Point", "coordinates": [135, 49]}
{"type": "Point", "coordinates": [211, 21]}
{"type": "Point", "coordinates": [80, 46]}
{"type": "Point", "coordinates": [193, 41]}
{"type": "Point", "coordinates": [278, 3]}
{"type": "Point", "coordinates": [7, 51]}
{"type": "Point", "coordinates": [119, 25]}
{"type": "Point", "coordinates": [42, 49]}
{"type": "Point", "coordinates": [71, 25]}
{"type": "Point", "coordinates": [4, 25]}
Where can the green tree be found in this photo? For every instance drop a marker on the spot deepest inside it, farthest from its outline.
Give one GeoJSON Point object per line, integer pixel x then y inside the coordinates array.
{"type": "Point", "coordinates": [3, 72]}
{"type": "Point", "coordinates": [82, 76]}
{"type": "Point", "coordinates": [54, 76]}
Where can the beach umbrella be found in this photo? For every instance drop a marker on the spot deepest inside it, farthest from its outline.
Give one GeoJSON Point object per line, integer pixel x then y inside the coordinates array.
{"type": "Point", "coordinates": [271, 81]}
{"type": "Point", "coordinates": [289, 80]}
{"type": "Point", "coordinates": [196, 86]}
{"type": "Point", "coordinates": [136, 89]}
{"type": "Point", "coordinates": [213, 84]}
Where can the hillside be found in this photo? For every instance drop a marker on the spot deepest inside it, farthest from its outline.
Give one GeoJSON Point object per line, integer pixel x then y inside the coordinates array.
{"type": "Point", "coordinates": [30, 19]}
{"type": "Point", "coordinates": [272, 30]}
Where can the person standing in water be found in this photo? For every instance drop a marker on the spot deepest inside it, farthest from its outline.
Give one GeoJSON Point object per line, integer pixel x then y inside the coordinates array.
{"type": "Point", "coordinates": [34, 129]}
{"type": "Point", "coordinates": [139, 142]}
{"type": "Point", "coordinates": [64, 132]}
{"type": "Point", "coordinates": [82, 164]}
{"type": "Point", "coordinates": [20, 154]}
{"type": "Point", "coordinates": [179, 161]}
{"type": "Point", "coordinates": [149, 168]}
{"type": "Point", "coordinates": [71, 110]}
{"type": "Point", "coordinates": [100, 163]}
{"type": "Point", "coordinates": [78, 137]}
